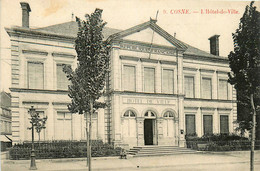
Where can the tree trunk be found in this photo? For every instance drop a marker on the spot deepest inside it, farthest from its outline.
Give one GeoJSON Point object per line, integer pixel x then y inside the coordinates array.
{"type": "Point", "coordinates": [252, 154]}
{"type": "Point", "coordinates": [90, 128]}
{"type": "Point", "coordinates": [87, 136]}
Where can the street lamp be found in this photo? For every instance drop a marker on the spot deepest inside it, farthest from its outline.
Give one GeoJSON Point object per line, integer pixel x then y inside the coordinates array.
{"type": "Point", "coordinates": [32, 112]}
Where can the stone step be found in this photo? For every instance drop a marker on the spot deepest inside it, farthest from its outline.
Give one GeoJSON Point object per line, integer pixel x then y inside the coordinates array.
{"type": "Point", "coordinates": [158, 151]}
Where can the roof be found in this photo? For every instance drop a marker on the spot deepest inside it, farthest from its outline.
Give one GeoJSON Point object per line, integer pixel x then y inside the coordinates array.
{"type": "Point", "coordinates": [69, 29]}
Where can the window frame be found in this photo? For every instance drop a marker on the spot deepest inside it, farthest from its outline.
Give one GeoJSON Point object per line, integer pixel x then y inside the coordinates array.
{"type": "Point", "coordinates": [219, 97]}
{"type": "Point", "coordinates": [28, 73]}
{"type": "Point", "coordinates": [202, 88]}
{"type": "Point", "coordinates": [135, 79]}
{"type": "Point", "coordinates": [189, 76]}
{"type": "Point", "coordinates": [212, 123]}
{"type": "Point", "coordinates": [173, 79]}
{"type": "Point", "coordinates": [228, 124]}
{"type": "Point", "coordinates": [150, 67]}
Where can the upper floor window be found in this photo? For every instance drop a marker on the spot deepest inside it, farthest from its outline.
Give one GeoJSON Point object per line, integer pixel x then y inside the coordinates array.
{"type": "Point", "coordinates": [189, 86]}
{"type": "Point", "coordinates": [62, 80]}
{"type": "Point", "coordinates": [35, 75]}
{"type": "Point", "coordinates": [129, 78]}
{"type": "Point", "coordinates": [167, 81]}
{"type": "Point", "coordinates": [149, 80]}
{"type": "Point", "coordinates": [223, 89]}
{"type": "Point", "coordinates": [206, 92]}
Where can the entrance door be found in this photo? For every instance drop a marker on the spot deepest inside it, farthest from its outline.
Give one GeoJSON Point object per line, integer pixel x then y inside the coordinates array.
{"type": "Point", "coordinates": [148, 132]}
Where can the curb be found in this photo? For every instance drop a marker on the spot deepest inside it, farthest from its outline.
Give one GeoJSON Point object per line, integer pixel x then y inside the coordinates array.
{"type": "Point", "coordinates": [59, 160]}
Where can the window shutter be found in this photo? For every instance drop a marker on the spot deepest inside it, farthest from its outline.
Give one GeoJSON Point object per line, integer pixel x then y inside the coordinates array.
{"type": "Point", "coordinates": [189, 87]}
{"type": "Point", "coordinates": [35, 75]}
{"type": "Point", "coordinates": [207, 124]}
{"type": "Point", "coordinates": [149, 80]}
{"type": "Point", "coordinates": [206, 88]}
{"type": "Point", "coordinates": [129, 78]}
{"type": "Point", "coordinates": [167, 83]}
{"type": "Point", "coordinates": [190, 124]}
{"type": "Point", "coordinates": [224, 124]}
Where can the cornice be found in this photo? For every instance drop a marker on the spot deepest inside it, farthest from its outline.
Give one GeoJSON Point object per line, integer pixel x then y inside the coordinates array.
{"type": "Point", "coordinates": [144, 94]}
{"type": "Point", "coordinates": [37, 52]}
{"type": "Point", "coordinates": [36, 102]}
{"type": "Point", "coordinates": [210, 100]}
{"type": "Point", "coordinates": [24, 90]}
{"type": "Point", "coordinates": [133, 58]}
{"type": "Point", "coordinates": [66, 55]}
{"type": "Point", "coordinates": [30, 33]}
{"type": "Point", "coordinates": [206, 58]}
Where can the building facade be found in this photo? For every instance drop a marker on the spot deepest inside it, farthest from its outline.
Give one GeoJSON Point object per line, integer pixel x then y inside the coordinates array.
{"type": "Point", "coordinates": [159, 88]}
{"type": "Point", "coordinates": [5, 120]}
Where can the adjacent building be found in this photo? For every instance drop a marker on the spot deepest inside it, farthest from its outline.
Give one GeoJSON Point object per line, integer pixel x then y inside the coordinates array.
{"type": "Point", "coordinates": [5, 120]}
{"type": "Point", "coordinates": [159, 88]}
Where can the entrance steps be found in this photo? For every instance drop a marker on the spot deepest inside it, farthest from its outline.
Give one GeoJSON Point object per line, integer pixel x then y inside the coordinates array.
{"type": "Point", "coordinates": [153, 150]}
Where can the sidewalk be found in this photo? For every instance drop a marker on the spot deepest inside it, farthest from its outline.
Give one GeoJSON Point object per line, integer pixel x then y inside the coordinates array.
{"type": "Point", "coordinates": [133, 163]}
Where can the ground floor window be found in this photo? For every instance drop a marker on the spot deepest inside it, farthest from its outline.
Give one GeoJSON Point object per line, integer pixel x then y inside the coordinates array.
{"type": "Point", "coordinates": [207, 124]}
{"type": "Point", "coordinates": [190, 124]}
{"type": "Point", "coordinates": [224, 126]}
{"type": "Point", "coordinates": [129, 124]}
{"type": "Point", "coordinates": [63, 129]}
{"type": "Point", "coordinates": [168, 124]}
{"type": "Point", "coordinates": [94, 128]}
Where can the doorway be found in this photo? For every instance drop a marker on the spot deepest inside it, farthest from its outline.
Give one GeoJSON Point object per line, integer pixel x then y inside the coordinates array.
{"type": "Point", "coordinates": [148, 131]}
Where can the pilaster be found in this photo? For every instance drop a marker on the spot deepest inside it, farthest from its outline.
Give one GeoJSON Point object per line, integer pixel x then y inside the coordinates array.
{"type": "Point", "coordinates": [140, 131]}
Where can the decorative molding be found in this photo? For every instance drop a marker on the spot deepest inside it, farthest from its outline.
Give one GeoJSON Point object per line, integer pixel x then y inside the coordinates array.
{"type": "Point", "coordinates": [222, 72]}
{"type": "Point", "coordinates": [207, 70]}
{"type": "Point", "coordinates": [206, 58]}
{"type": "Point", "coordinates": [66, 55]}
{"type": "Point", "coordinates": [189, 69]}
{"type": "Point", "coordinates": [130, 58]}
{"type": "Point", "coordinates": [144, 94]}
{"type": "Point", "coordinates": [37, 52]}
{"type": "Point", "coordinates": [60, 103]}
{"type": "Point", "coordinates": [149, 60]}
{"type": "Point", "coordinates": [210, 100]}
{"type": "Point", "coordinates": [168, 62]}
{"type": "Point", "coordinates": [146, 48]}
{"type": "Point", "coordinates": [39, 91]}
{"type": "Point", "coordinates": [224, 109]}
{"type": "Point", "coordinates": [36, 102]}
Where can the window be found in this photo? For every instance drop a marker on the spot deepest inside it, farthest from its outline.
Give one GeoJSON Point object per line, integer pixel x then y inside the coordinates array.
{"type": "Point", "coordinates": [223, 89]}
{"type": "Point", "coordinates": [129, 78]}
{"type": "Point", "coordinates": [149, 114]}
{"type": "Point", "coordinates": [129, 113]}
{"type": "Point", "coordinates": [149, 80]}
{"type": "Point", "coordinates": [94, 131]}
{"type": "Point", "coordinates": [224, 124]}
{"type": "Point", "coordinates": [37, 136]}
{"type": "Point", "coordinates": [168, 124]}
{"type": "Point", "coordinates": [168, 114]}
{"type": "Point", "coordinates": [62, 80]}
{"type": "Point", "coordinates": [206, 88]}
{"type": "Point", "coordinates": [64, 126]}
{"type": "Point", "coordinates": [167, 81]}
{"type": "Point", "coordinates": [190, 124]}
{"type": "Point", "coordinates": [207, 124]}
{"type": "Point", "coordinates": [189, 86]}
{"type": "Point", "coordinates": [35, 75]}
{"type": "Point", "coordinates": [129, 124]}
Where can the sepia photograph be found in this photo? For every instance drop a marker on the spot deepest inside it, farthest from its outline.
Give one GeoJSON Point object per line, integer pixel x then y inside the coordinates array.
{"type": "Point", "coordinates": [130, 85]}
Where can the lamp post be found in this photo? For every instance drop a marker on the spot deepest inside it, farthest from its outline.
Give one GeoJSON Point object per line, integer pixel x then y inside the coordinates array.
{"type": "Point", "coordinates": [32, 112]}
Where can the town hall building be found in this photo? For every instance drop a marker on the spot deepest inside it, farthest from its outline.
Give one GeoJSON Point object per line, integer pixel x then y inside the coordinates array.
{"type": "Point", "coordinates": [159, 89]}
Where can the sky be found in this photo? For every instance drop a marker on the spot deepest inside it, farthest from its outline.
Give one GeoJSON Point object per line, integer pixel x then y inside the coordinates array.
{"type": "Point", "coordinates": [188, 19]}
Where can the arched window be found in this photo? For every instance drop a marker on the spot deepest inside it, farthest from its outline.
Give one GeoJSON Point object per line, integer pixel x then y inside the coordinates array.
{"type": "Point", "coordinates": [168, 114]}
{"type": "Point", "coordinates": [129, 114]}
{"type": "Point", "coordinates": [150, 114]}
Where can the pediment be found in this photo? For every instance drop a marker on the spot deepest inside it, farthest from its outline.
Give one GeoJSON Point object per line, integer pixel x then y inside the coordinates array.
{"type": "Point", "coordinates": [148, 36]}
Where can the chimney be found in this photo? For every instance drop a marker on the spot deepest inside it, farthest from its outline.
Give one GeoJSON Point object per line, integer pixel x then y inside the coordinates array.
{"type": "Point", "coordinates": [25, 14]}
{"type": "Point", "coordinates": [214, 45]}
